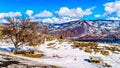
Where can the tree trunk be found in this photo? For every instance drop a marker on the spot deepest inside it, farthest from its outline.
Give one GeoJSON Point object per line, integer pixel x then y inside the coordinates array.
{"type": "Point", "coordinates": [16, 48]}
{"type": "Point", "coordinates": [15, 51]}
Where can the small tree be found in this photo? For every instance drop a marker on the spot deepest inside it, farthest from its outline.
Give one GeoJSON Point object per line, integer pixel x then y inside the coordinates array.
{"type": "Point", "coordinates": [20, 31]}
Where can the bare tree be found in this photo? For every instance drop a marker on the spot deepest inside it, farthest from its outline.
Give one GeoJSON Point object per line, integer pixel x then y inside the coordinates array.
{"type": "Point", "coordinates": [21, 31]}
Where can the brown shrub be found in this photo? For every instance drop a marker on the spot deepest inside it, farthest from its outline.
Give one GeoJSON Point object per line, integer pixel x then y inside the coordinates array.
{"type": "Point", "coordinates": [50, 38]}
{"type": "Point", "coordinates": [61, 40]}
{"type": "Point", "coordinates": [112, 48]}
{"type": "Point", "coordinates": [96, 50]}
{"type": "Point", "coordinates": [81, 48]}
{"type": "Point", "coordinates": [34, 55]}
{"type": "Point", "coordinates": [105, 53]}
{"type": "Point", "coordinates": [50, 44]}
{"type": "Point", "coordinates": [76, 44]}
{"type": "Point", "coordinates": [88, 50]}
{"type": "Point", "coordinates": [24, 52]}
{"type": "Point", "coordinates": [82, 44]}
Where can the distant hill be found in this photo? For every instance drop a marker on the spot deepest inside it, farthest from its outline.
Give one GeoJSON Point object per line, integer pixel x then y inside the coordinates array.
{"type": "Point", "coordinates": [86, 29]}
{"type": "Point", "coordinates": [81, 29]}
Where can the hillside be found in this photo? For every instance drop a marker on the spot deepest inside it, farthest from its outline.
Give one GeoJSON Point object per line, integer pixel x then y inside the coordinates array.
{"type": "Point", "coordinates": [86, 29]}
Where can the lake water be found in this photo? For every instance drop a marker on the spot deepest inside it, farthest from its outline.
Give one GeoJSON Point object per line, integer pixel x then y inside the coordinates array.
{"type": "Point", "coordinates": [102, 41]}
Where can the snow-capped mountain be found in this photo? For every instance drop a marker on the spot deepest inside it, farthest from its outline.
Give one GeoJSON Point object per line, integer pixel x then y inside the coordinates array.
{"type": "Point", "coordinates": [90, 29]}
{"type": "Point", "coordinates": [81, 29]}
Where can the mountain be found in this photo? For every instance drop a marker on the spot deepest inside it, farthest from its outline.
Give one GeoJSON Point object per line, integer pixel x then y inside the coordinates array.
{"type": "Point", "coordinates": [86, 29]}
{"type": "Point", "coordinates": [81, 29]}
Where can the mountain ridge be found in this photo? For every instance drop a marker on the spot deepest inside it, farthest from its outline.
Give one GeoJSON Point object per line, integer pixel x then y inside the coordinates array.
{"type": "Point", "coordinates": [87, 29]}
{"type": "Point", "coordinates": [81, 29]}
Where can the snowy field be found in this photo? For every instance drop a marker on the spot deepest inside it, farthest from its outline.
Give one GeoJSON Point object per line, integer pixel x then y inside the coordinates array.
{"type": "Point", "coordinates": [63, 55]}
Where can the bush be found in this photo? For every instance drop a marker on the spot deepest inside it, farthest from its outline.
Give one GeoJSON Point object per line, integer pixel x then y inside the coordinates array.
{"type": "Point", "coordinates": [50, 38]}
{"type": "Point", "coordinates": [96, 50]}
{"type": "Point", "coordinates": [21, 52]}
{"type": "Point", "coordinates": [69, 41]}
{"type": "Point", "coordinates": [88, 50]}
{"type": "Point", "coordinates": [105, 53]}
{"type": "Point", "coordinates": [76, 44]}
{"type": "Point", "coordinates": [50, 44]}
{"type": "Point", "coordinates": [34, 55]}
{"type": "Point", "coordinates": [62, 40]}
{"type": "Point", "coordinates": [24, 52]}
{"type": "Point", "coordinates": [93, 47]}
{"type": "Point", "coordinates": [30, 53]}
{"type": "Point", "coordinates": [83, 44]}
{"type": "Point", "coordinates": [55, 67]}
{"type": "Point", "coordinates": [113, 48]}
{"type": "Point", "coordinates": [81, 48]}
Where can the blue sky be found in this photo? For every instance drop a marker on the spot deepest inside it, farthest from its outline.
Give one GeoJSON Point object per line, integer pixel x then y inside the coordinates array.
{"type": "Point", "coordinates": [54, 11]}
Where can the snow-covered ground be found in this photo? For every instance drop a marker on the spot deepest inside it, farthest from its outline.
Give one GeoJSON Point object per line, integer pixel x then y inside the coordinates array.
{"type": "Point", "coordinates": [63, 55]}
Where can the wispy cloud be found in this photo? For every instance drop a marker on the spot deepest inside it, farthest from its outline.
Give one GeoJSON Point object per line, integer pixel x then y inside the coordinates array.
{"type": "Point", "coordinates": [58, 20]}
{"type": "Point", "coordinates": [113, 18]}
{"type": "Point", "coordinates": [44, 13]}
{"type": "Point", "coordinates": [112, 10]}
{"type": "Point", "coordinates": [10, 14]}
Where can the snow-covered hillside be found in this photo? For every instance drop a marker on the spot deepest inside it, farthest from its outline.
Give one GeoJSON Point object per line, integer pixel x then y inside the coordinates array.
{"type": "Point", "coordinates": [96, 29]}
{"type": "Point", "coordinates": [62, 54]}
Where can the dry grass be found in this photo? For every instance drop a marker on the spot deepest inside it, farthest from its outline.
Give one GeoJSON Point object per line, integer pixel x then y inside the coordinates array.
{"type": "Point", "coordinates": [105, 53]}
{"type": "Point", "coordinates": [81, 48]}
{"type": "Point", "coordinates": [55, 67]}
{"type": "Point", "coordinates": [88, 50]}
{"type": "Point", "coordinates": [82, 44]}
{"type": "Point", "coordinates": [30, 54]}
{"type": "Point", "coordinates": [112, 48]}
{"type": "Point", "coordinates": [97, 50]}
{"type": "Point", "coordinates": [50, 44]}
{"type": "Point", "coordinates": [34, 55]}
{"type": "Point", "coordinates": [62, 40]}
{"type": "Point", "coordinates": [49, 38]}
{"type": "Point", "coordinates": [90, 47]}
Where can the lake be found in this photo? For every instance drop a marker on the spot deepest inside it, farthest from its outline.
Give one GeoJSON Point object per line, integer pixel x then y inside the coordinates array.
{"type": "Point", "coordinates": [102, 41]}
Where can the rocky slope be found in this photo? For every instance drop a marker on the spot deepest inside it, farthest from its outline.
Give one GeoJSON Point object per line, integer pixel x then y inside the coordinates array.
{"type": "Point", "coordinates": [81, 29]}
{"type": "Point", "coordinates": [87, 29]}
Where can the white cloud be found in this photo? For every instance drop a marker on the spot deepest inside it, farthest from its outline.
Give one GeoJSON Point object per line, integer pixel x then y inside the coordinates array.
{"type": "Point", "coordinates": [66, 19]}
{"type": "Point", "coordinates": [64, 11]}
{"type": "Point", "coordinates": [58, 20]}
{"type": "Point", "coordinates": [45, 13]}
{"type": "Point", "coordinates": [74, 13]}
{"type": "Point", "coordinates": [89, 11]}
{"type": "Point", "coordinates": [109, 7]}
{"type": "Point", "coordinates": [55, 20]}
{"type": "Point", "coordinates": [13, 14]}
{"type": "Point", "coordinates": [112, 7]}
{"type": "Point", "coordinates": [2, 15]}
{"type": "Point", "coordinates": [97, 15]}
{"type": "Point", "coordinates": [113, 18]}
{"type": "Point", "coordinates": [65, 15]}
{"type": "Point", "coordinates": [29, 12]}
{"type": "Point", "coordinates": [47, 20]}
{"type": "Point", "coordinates": [10, 14]}
{"type": "Point", "coordinates": [3, 21]}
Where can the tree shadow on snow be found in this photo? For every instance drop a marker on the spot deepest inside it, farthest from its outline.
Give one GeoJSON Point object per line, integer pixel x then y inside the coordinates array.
{"type": "Point", "coordinates": [7, 63]}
